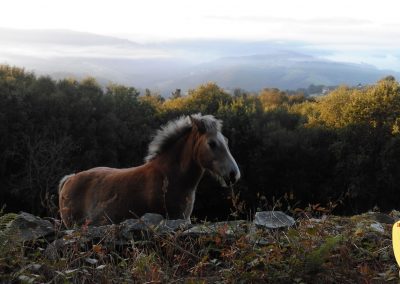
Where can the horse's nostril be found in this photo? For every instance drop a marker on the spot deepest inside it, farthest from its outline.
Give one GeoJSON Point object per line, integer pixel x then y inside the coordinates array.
{"type": "Point", "coordinates": [232, 176]}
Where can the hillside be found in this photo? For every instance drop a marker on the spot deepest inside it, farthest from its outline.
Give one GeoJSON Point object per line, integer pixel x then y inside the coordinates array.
{"type": "Point", "coordinates": [279, 69]}
{"type": "Point", "coordinates": [166, 66]}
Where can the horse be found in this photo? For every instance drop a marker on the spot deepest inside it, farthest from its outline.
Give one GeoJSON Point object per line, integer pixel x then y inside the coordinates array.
{"type": "Point", "coordinates": [179, 154]}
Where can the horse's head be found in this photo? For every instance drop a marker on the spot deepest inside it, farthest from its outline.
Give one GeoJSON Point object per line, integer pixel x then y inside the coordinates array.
{"type": "Point", "coordinates": [212, 151]}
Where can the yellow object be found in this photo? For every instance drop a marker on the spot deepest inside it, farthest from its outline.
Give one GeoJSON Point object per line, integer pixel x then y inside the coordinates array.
{"type": "Point", "coordinates": [396, 241]}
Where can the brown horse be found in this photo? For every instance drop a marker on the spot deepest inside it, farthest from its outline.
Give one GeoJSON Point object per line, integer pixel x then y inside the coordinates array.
{"type": "Point", "coordinates": [166, 184]}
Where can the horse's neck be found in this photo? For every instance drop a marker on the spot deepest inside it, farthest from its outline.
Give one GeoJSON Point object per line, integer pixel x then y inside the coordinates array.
{"type": "Point", "coordinates": [178, 164]}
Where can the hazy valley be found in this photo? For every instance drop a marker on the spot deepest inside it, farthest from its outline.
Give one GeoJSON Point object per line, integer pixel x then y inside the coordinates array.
{"type": "Point", "coordinates": [166, 66]}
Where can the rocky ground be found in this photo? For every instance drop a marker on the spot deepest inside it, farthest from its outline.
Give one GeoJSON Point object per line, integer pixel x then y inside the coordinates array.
{"type": "Point", "coordinates": [273, 248]}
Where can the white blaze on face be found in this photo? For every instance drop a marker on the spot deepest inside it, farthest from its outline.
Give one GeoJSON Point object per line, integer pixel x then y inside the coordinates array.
{"type": "Point", "coordinates": [227, 166]}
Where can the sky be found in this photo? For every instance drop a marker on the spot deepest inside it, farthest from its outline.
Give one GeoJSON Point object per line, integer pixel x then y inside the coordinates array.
{"type": "Point", "coordinates": [356, 30]}
{"type": "Point", "coordinates": [352, 22]}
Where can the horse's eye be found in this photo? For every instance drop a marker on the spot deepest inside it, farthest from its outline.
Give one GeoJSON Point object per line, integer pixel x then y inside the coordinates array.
{"type": "Point", "coordinates": [212, 144]}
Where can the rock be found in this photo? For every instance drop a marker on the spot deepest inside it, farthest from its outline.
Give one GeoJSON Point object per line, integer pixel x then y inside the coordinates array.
{"type": "Point", "coordinates": [148, 221]}
{"type": "Point", "coordinates": [91, 260]}
{"type": "Point", "coordinates": [152, 219]}
{"type": "Point", "coordinates": [381, 217]}
{"type": "Point", "coordinates": [178, 224]}
{"type": "Point", "coordinates": [117, 234]}
{"type": "Point", "coordinates": [229, 228]}
{"type": "Point", "coordinates": [378, 227]}
{"type": "Point", "coordinates": [131, 227]}
{"type": "Point", "coordinates": [53, 250]}
{"type": "Point", "coordinates": [26, 227]}
{"type": "Point", "coordinates": [151, 223]}
{"type": "Point", "coordinates": [107, 232]}
{"type": "Point", "coordinates": [273, 219]}
{"type": "Point", "coordinates": [200, 230]}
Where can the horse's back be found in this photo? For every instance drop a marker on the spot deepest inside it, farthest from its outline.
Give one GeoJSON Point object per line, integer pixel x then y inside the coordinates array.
{"type": "Point", "coordinates": [80, 182]}
{"type": "Point", "coordinates": [91, 193]}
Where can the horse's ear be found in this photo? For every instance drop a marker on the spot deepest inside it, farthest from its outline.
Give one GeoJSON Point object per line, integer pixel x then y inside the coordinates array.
{"type": "Point", "coordinates": [198, 124]}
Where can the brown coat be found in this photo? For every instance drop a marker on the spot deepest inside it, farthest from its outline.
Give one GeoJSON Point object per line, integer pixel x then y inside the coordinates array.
{"type": "Point", "coordinates": [165, 184]}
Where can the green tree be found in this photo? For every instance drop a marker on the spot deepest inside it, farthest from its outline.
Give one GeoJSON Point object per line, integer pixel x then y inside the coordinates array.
{"type": "Point", "coordinates": [272, 98]}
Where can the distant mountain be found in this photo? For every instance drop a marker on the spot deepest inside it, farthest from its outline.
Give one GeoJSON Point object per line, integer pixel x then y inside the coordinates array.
{"type": "Point", "coordinates": [180, 64]}
{"type": "Point", "coordinates": [283, 69]}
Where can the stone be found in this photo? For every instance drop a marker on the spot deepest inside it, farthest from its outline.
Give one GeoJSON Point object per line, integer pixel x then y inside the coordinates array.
{"type": "Point", "coordinates": [158, 224]}
{"type": "Point", "coordinates": [102, 232]}
{"type": "Point", "coordinates": [147, 222]}
{"type": "Point", "coordinates": [228, 228]}
{"type": "Point", "coordinates": [383, 218]}
{"type": "Point", "coordinates": [377, 227]}
{"type": "Point", "coordinates": [152, 223]}
{"type": "Point", "coordinates": [26, 227]}
{"type": "Point", "coordinates": [370, 217]}
{"type": "Point", "coordinates": [273, 220]}
{"type": "Point", "coordinates": [119, 234]}
{"type": "Point", "coordinates": [178, 224]}
{"type": "Point", "coordinates": [152, 219]}
{"type": "Point", "coordinates": [91, 260]}
{"type": "Point", "coordinates": [53, 250]}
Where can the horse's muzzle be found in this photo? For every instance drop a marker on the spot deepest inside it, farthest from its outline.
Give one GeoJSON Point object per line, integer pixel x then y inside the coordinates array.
{"type": "Point", "coordinates": [232, 178]}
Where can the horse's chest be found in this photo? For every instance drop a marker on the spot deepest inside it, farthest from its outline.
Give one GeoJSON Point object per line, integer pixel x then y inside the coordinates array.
{"type": "Point", "coordinates": [180, 206]}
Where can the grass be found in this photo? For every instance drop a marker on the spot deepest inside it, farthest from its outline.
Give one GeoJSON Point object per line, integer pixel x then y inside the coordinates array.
{"type": "Point", "coordinates": [331, 249]}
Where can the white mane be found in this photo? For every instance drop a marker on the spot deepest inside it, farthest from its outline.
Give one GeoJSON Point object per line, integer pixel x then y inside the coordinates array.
{"type": "Point", "coordinates": [174, 129]}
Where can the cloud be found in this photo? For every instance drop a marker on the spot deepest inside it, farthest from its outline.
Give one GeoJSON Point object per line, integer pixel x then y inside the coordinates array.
{"type": "Point", "coordinates": [345, 31]}
{"type": "Point", "coordinates": [330, 21]}
{"type": "Point", "coordinates": [61, 43]}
